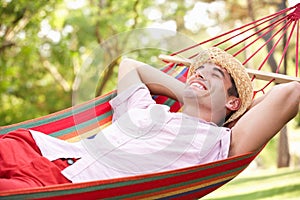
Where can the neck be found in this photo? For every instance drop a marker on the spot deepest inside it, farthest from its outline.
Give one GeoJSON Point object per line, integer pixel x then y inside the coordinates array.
{"type": "Point", "coordinates": [204, 114]}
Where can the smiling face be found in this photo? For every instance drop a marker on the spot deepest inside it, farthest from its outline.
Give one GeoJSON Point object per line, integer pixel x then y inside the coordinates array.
{"type": "Point", "coordinates": [240, 79]}
{"type": "Point", "coordinates": [207, 89]}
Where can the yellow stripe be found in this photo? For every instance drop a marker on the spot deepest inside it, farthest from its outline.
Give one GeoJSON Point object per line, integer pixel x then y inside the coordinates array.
{"type": "Point", "coordinates": [188, 188]}
{"type": "Point", "coordinates": [88, 133]}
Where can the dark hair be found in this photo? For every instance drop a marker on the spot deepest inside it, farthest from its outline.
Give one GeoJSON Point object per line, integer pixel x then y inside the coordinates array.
{"type": "Point", "coordinates": [232, 91]}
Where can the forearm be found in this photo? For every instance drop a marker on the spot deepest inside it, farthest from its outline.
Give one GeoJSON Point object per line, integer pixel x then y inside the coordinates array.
{"type": "Point", "coordinates": [132, 71]}
{"type": "Point", "coordinates": [281, 88]}
{"type": "Point", "coordinates": [266, 118]}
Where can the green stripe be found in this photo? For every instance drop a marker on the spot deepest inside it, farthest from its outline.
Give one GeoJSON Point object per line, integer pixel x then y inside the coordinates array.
{"type": "Point", "coordinates": [169, 102]}
{"type": "Point", "coordinates": [62, 115]}
{"type": "Point", "coordinates": [172, 186]}
{"type": "Point", "coordinates": [116, 185]}
{"type": "Point", "coordinates": [81, 125]}
{"type": "Point", "coordinates": [191, 181]}
{"type": "Point", "coordinates": [128, 183]}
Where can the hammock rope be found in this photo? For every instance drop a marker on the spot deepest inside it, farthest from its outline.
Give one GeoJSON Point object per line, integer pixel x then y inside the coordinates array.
{"type": "Point", "coordinates": [275, 26]}
{"type": "Point", "coordinates": [191, 182]}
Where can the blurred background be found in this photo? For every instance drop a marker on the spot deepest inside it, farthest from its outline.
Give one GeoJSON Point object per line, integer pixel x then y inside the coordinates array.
{"type": "Point", "coordinates": [44, 44]}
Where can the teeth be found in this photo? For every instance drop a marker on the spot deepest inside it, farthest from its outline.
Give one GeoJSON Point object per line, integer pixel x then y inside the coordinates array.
{"type": "Point", "coordinates": [197, 85]}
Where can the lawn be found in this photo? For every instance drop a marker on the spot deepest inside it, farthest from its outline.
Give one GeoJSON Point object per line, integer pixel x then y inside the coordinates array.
{"type": "Point", "coordinates": [262, 184]}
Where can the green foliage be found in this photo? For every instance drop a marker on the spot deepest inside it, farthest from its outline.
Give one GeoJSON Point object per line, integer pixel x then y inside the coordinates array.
{"type": "Point", "coordinates": [261, 184]}
{"type": "Point", "coordinates": [44, 44]}
{"type": "Point", "coordinates": [297, 121]}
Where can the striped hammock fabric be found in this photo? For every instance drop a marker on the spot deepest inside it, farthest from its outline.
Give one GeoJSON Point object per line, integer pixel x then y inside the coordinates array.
{"type": "Point", "coordinates": [86, 120]}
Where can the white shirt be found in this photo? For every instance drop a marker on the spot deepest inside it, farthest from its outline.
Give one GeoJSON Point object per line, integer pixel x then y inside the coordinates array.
{"type": "Point", "coordinates": [143, 138]}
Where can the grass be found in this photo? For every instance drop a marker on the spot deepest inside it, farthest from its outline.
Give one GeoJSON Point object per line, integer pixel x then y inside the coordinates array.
{"type": "Point", "coordinates": [267, 183]}
{"type": "Point", "coordinates": [263, 184]}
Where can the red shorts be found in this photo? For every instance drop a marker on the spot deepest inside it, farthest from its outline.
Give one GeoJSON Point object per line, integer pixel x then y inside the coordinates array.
{"type": "Point", "coordinates": [23, 166]}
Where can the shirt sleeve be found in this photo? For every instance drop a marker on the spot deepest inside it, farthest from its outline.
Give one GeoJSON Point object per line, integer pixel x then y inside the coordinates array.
{"type": "Point", "coordinates": [136, 96]}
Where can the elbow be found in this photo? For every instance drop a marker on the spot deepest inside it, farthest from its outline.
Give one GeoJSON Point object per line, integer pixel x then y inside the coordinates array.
{"type": "Point", "coordinates": [290, 93]}
{"type": "Point", "coordinates": [295, 90]}
{"type": "Point", "coordinates": [126, 66]}
{"type": "Point", "coordinates": [125, 63]}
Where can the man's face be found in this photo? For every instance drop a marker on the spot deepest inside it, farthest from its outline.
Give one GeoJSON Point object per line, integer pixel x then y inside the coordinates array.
{"type": "Point", "coordinates": [209, 84]}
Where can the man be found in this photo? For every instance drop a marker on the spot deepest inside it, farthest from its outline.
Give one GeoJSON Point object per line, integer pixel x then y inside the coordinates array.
{"type": "Point", "coordinates": [145, 137]}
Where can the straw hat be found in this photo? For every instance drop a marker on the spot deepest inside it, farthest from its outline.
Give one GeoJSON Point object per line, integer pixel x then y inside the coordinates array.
{"type": "Point", "coordinates": [234, 68]}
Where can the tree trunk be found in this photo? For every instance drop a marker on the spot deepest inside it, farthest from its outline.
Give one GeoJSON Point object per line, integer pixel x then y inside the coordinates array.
{"type": "Point", "coordinates": [283, 147]}
{"type": "Point", "coordinates": [283, 159]}
{"type": "Point", "coordinates": [283, 144]}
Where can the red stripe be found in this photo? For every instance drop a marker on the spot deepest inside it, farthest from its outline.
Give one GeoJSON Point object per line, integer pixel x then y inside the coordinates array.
{"type": "Point", "coordinates": [144, 186]}
{"type": "Point", "coordinates": [175, 107]}
{"type": "Point", "coordinates": [233, 163]}
{"type": "Point", "coordinates": [86, 115]}
{"type": "Point", "coordinates": [85, 129]}
{"type": "Point", "coordinates": [161, 99]}
{"type": "Point", "coordinates": [75, 119]}
{"type": "Point", "coordinates": [176, 179]}
{"type": "Point", "coordinates": [201, 185]}
{"type": "Point", "coordinates": [198, 194]}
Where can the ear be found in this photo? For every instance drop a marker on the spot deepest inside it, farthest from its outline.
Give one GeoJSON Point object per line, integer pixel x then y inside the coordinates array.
{"type": "Point", "coordinates": [233, 103]}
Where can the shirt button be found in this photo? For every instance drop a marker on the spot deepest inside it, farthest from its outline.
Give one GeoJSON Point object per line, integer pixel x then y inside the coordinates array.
{"type": "Point", "coordinates": [70, 161]}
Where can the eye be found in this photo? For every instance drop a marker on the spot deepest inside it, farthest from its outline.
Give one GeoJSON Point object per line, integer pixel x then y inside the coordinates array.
{"type": "Point", "coordinates": [198, 68]}
{"type": "Point", "coordinates": [216, 75]}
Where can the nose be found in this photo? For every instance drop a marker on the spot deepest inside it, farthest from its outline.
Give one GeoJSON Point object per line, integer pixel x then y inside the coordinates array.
{"type": "Point", "coordinates": [199, 75]}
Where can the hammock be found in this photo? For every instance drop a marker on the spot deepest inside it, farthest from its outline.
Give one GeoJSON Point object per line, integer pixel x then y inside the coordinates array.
{"type": "Point", "coordinates": [191, 182]}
